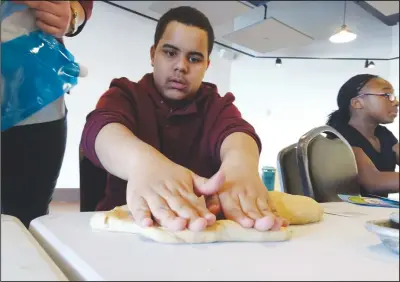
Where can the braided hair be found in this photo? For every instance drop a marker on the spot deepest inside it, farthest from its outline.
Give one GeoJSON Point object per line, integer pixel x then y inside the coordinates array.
{"type": "Point", "coordinates": [348, 91]}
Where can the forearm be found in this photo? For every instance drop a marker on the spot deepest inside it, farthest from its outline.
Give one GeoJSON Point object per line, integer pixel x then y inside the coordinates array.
{"type": "Point", "coordinates": [121, 153]}
{"type": "Point", "coordinates": [239, 154]}
{"type": "Point", "coordinates": [381, 182]}
{"type": "Point", "coordinates": [371, 178]}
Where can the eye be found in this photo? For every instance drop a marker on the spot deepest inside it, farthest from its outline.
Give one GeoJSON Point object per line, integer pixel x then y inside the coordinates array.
{"type": "Point", "coordinates": [170, 53]}
{"type": "Point", "coordinates": [194, 59]}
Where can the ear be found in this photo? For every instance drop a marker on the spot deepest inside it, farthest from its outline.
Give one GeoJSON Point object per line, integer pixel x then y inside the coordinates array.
{"type": "Point", "coordinates": [356, 103]}
{"type": "Point", "coordinates": [152, 54]}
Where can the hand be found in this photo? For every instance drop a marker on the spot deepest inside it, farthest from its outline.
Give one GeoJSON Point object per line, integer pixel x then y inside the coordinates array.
{"type": "Point", "coordinates": [245, 199]}
{"type": "Point", "coordinates": [170, 193]}
{"type": "Point", "coordinates": [53, 17]}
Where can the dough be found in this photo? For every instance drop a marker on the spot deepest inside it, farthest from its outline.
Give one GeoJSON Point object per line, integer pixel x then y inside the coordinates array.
{"type": "Point", "coordinates": [120, 220]}
{"type": "Point", "coordinates": [295, 209]}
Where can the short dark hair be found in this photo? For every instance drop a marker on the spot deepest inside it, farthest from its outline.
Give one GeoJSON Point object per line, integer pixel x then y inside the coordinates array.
{"type": "Point", "coordinates": [188, 16]}
{"type": "Point", "coordinates": [348, 91]}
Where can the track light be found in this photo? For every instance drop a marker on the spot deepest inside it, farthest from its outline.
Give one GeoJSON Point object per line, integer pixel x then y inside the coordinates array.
{"type": "Point", "coordinates": [278, 62]}
{"type": "Point", "coordinates": [369, 64]}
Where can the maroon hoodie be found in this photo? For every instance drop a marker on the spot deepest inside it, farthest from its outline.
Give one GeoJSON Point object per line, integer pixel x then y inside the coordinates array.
{"type": "Point", "coordinates": [189, 133]}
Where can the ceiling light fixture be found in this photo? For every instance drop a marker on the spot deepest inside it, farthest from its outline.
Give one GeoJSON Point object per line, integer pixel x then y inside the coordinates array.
{"type": "Point", "coordinates": [344, 35]}
{"type": "Point", "coordinates": [278, 62]}
{"type": "Point", "coordinates": [369, 64]}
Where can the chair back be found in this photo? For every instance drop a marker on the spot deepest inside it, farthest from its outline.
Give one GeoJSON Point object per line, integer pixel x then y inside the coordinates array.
{"type": "Point", "coordinates": [288, 171]}
{"type": "Point", "coordinates": [327, 165]}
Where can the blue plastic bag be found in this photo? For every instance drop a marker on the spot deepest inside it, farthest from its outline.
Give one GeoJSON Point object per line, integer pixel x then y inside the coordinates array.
{"type": "Point", "coordinates": [36, 69]}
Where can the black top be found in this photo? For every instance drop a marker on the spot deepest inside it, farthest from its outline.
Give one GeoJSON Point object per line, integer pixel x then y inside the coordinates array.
{"type": "Point", "coordinates": [385, 160]}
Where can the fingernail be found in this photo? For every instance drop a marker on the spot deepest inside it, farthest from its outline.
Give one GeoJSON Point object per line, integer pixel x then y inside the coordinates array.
{"type": "Point", "coordinates": [147, 222]}
{"type": "Point", "coordinates": [247, 222]}
{"type": "Point", "coordinates": [198, 224]}
{"type": "Point", "coordinates": [265, 223]}
{"type": "Point", "coordinates": [178, 224]}
{"type": "Point", "coordinates": [211, 218]}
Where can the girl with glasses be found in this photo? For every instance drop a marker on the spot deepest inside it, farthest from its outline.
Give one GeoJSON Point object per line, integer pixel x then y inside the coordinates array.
{"type": "Point", "coordinates": [366, 103]}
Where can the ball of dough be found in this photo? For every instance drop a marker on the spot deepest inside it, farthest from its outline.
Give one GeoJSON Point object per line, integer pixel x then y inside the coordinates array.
{"type": "Point", "coordinates": [296, 209]}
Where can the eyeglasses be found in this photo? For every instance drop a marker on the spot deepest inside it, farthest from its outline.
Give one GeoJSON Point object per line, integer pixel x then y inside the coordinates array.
{"type": "Point", "coordinates": [390, 96]}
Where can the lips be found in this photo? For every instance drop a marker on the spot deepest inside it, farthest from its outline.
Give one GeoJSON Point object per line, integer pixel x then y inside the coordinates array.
{"type": "Point", "coordinates": [177, 83]}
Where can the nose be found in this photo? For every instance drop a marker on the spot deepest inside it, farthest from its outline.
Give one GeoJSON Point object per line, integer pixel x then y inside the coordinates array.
{"type": "Point", "coordinates": [182, 64]}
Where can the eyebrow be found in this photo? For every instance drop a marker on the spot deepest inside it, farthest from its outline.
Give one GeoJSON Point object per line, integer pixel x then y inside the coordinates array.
{"type": "Point", "coordinates": [177, 49]}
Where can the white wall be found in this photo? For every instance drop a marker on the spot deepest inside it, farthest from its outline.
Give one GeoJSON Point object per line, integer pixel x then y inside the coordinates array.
{"type": "Point", "coordinates": [114, 43]}
{"type": "Point", "coordinates": [277, 101]}
{"type": "Point", "coordinates": [284, 103]}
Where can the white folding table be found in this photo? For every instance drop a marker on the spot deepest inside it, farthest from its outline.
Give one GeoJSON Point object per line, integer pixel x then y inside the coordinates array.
{"type": "Point", "coordinates": [338, 248]}
{"type": "Point", "coordinates": [22, 258]}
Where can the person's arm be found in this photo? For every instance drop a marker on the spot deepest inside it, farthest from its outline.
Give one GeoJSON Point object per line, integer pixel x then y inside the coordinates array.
{"type": "Point", "coordinates": [156, 188]}
{"type": "Point", "coordinates": [114, 115]}
{"type": "Point", "coordinates": [371, 178]}
{"type": "Point", "coordinates": [121, 153]}
{"type": "Point", "coordinates": [396, 150]}
{"type": "Point", "coordinates": [239, 152]}
{"type": "Point", "coordinates": [391, 139]}
{"type": "Point", "coordinates": [244, 198]}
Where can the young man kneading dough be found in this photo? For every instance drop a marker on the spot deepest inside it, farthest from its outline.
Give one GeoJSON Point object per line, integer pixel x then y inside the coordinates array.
{"type": "Point", "coordinates": [162, 138]}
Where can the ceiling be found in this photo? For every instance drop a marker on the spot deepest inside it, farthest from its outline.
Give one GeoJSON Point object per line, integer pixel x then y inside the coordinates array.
{"type": "Point", "coordinates": [294, 28]}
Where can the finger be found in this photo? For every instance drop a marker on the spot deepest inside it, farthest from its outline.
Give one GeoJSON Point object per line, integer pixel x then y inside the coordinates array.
{"type": "Point", "coordinates": [202, 186]}
{"type": "Point", "coordinates": [199, 203]}
{"type": "Point", "coordinates": [263, 206]}
{"type": "Point", "coordinates": [268, 220]}
{"type": "Point", "coordinates": [278, 223]}
{"type": "Point", "coordinates": [50, 19]}
{"type": "Point", "coordinates": [249, 206]}
{"type": "Point", "coordinates": [49, 29]}
{"type": "Point", "coordinates": [271, 205]}
{"type": "Point", "coordinates": [285, 222]}
{"type": "Point", "coordinates": [52, 7]}
{"type": "Point", "coordinates": [213, 204]}
{"type": "Point", "coordinates": [140, 211]}
{"type": "Point", "coordinates": [187, 205]}
{"type": "Point", "coordinates": [185, 210]}
{"type": "Point", "coordinates": [232, 211]}
{"type": "Point", "coordinates": [203, 211]}
{"type": "Point", "coordinates": [163, 214]}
